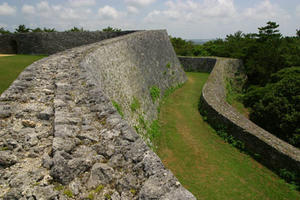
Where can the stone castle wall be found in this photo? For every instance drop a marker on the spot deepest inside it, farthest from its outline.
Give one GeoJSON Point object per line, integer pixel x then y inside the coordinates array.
{"type": "Point", "coordinates": [51, 42]}
{"type": "Point", "coordinates": [126, 75]}
{"type": "Point", "coordinates": [194, 64]}
{"type": "Point", "coordinates": [61, 137]}
{"type": "Point", "coordinates": [272, 151]}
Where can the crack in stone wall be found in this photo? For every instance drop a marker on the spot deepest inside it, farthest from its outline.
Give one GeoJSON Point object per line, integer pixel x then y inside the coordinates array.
{"type": "Point", "coordinates": [61, 138]}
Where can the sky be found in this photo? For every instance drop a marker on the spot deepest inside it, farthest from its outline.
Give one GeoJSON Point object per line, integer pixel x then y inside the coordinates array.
{"type": "Point", "coordinates": [189, 19]}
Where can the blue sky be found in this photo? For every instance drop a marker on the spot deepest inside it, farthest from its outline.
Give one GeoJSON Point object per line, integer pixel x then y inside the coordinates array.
{"type": "Point", "coordinates": [189, 19]}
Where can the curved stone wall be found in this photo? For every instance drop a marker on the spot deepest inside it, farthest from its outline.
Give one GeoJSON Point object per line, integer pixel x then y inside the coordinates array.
{"type": "Point", "coordinates": [272, 151]}
{"type": "Point", "coordinates": [126, 74]}
{"type": "Point", "coordinates": [61, 137]}
{"type": "Point", "coordinates": [51, 42]}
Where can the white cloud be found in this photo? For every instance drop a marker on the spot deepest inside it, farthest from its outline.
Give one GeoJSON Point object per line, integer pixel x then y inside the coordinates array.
{"type": "Point", "coordinates": [140, 3]}
{"type": "Point", "coordinates": [6, 9]}
{"type": "Point", "coordinates": [132, 10]}
{"type": "Point", "coordinates": [265, 10]}
{"type": "Point", "coordinates": [108, 12]}
{"type": "Point", "coordinates": [298, 11]}
{"type": "Point", "coordinates": [194, 11]}
{"type": "Point", "coordinates": [151, 17]}
{"type": "Point", "coordinates": [81, 3]}
{"type": "Point", "coordinates": [43, 6]}
{"type": "Point", "coordinates": [28, 9]}
{"type": "Point", "coordinates": [69, 13]}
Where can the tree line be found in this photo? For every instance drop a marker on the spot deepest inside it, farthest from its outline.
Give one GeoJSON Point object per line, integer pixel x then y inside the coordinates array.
{"type": "Point", "coordinates": [272, 64]}
{"type": "Point", "coordinates": [23, 29]}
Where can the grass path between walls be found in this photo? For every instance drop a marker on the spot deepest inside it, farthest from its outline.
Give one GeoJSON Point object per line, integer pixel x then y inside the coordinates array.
{"type": "Point", "coordinates": [202, 161]}
{"type": "Point", "coordinates": [12, 66]}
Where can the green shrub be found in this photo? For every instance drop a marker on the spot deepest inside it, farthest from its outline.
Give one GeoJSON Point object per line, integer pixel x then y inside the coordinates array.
{"type": "Point", "coordinates": [118, 108]}
{"type": "Point", "coordinates": [155, 93]}
{"type": "Point", "coordinates": [230, 139]}
{"type": "Point", "coordinates": [275, 107]}
{"type": "Point", "coordinates": [287, 175]}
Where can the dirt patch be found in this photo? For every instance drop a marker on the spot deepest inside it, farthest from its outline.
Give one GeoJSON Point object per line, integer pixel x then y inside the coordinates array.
{"type": "Point", "coordinates": [1, 55]}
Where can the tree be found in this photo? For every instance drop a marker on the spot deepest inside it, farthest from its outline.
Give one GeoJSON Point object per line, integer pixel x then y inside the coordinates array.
{"type": "Point", "coordinates": [3, 31]}
{"type": "Point", "coordinates": [269, 31]}
{"type": "Point", "coordinates": [111, 29]}
{"type": "Point", "coordinates": [37, 30]}
{"type": "Point", "coordinates": [264, 57]}
{"type": "Point", "coordinates": [49, 29]}
{"type": "Point", "coordinates": [298, 33]}
{"type": "Point", "coordinates": [75, 29]}
{"type": "Point", "coordinates": [182, 47]}
{"type": "Point", "coordinates": [276, 107]}
{"type": "Point", "coordinates": [22, 29]}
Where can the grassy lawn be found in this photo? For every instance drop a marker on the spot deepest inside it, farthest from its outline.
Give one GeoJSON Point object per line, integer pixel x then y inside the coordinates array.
{"type": "Point", "coordinates": [12, 66]}
{"type": "Point", "coordinates": [202, 161]}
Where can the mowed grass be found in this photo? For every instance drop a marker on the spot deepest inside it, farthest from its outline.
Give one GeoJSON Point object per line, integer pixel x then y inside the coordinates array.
{"type": "Point", "coordinates": [202, 161]}
{"type": "Point", "coordinates": [12, 66]}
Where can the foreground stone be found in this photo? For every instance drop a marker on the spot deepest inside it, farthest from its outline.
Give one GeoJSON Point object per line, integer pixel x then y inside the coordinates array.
{"type": "Point", "coordinates": [63, 139]}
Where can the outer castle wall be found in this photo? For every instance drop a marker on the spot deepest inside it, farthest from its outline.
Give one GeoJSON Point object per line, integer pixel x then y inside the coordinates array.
{"type": "Point", "coordinates": [272, 151]}
{"type": "Point", "coordinates": [59, 129]}
{"type": "Point", "coordinates": [126, 74]}
{"type": "Point", "coordinates": [51, 42]}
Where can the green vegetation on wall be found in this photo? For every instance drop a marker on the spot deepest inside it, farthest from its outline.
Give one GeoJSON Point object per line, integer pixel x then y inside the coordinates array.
{"type": "Point", "coordinates": [135, 105]}
{"type": "Point", "coordinates": [154, 93]}
{"type": "Point", "coordinates": [118, 108]}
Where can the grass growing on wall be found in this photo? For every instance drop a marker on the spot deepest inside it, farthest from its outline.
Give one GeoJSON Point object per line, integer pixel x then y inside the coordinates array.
{"type": "Point", "coordinates": [155, 93]}
{"type": "Point", "coordinates": [12, 66]}
{"type": "Point", "coordinates": [135, 105]}
{"type": "Point", "coordinates": [203, 162]}
{"type": "Point", "coordinates": [118, 108]}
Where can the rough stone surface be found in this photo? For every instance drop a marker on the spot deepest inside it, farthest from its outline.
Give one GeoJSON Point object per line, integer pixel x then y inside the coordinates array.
{"type": "Point", "coordinates": [274, 152]}
{"type": "Point", "coordinates": [51, 42]}
{"type": "Point", "coordinates": [122, 68]}
{"type": "Point", "coordinates": [64, 136]}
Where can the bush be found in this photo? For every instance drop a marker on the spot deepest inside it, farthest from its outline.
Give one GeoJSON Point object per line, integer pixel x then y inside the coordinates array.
{"type": "Point", "coordinates": [110, 29]}
{"type": "Point", "coordinates": [276, 107]}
